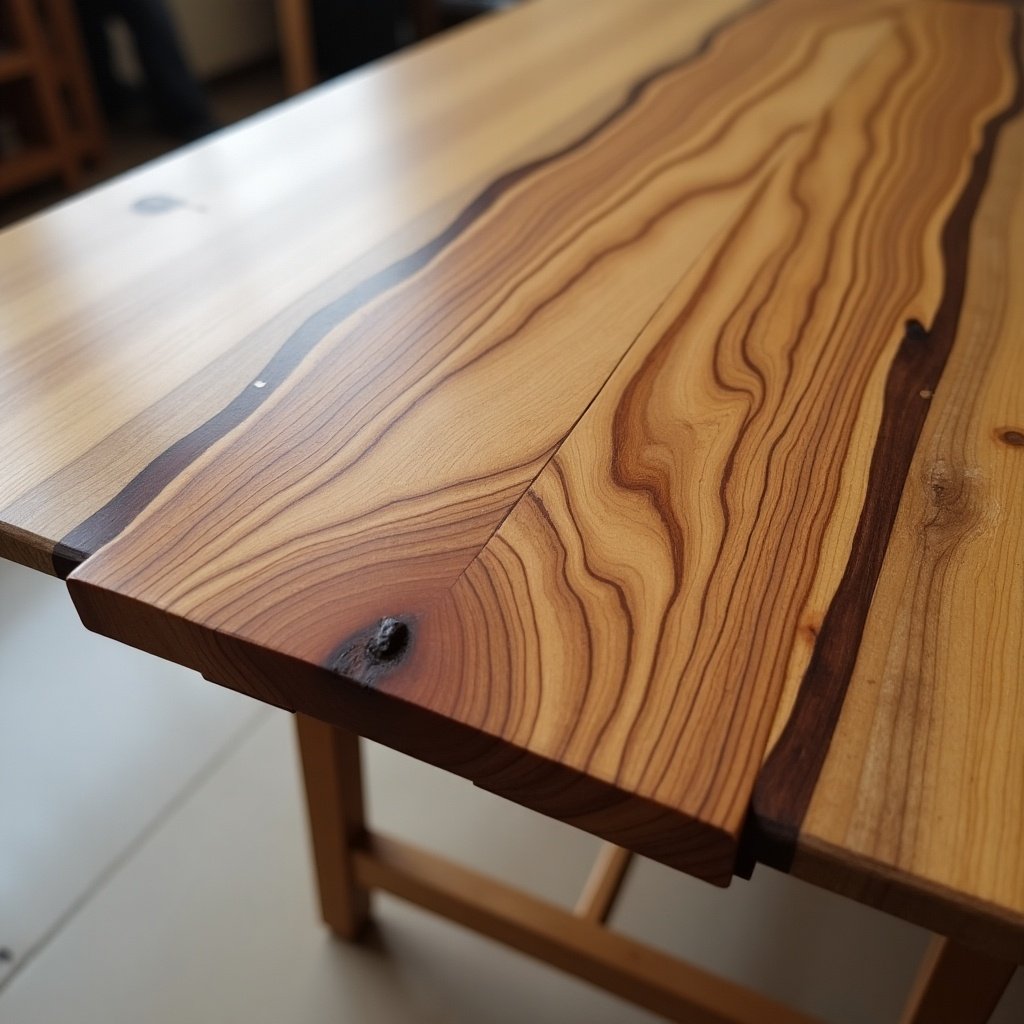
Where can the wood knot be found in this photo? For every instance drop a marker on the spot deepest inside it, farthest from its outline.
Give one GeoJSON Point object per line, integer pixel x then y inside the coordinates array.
{"type": "Point", "coordinates": [389, 640]}
{"type": "Point", "coordinates": [955, 502]}
{"type": "Point", "coordinates": [373, 652]}
{"type": "Point", "coordinates": [1011, 436]}
{"type": "Point", "coordinates": [947, 485]}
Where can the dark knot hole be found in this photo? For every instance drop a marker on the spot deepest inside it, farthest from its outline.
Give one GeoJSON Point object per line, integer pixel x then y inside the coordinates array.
{"type": "Point", "coordinates": [388, 641]}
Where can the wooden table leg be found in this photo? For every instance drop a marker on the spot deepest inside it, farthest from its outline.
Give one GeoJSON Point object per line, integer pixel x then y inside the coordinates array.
{"type": "Point", "coordinates": [956, 985]}
{"type": "Point", "coordinates": [295, 33]}
{"type": "Point", "coordinates": [603, 885]}
{"type": "Point", "coordinates": [332, 771]}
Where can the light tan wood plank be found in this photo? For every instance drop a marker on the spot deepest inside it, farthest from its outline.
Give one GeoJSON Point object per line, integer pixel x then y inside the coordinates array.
{"type": "Point", "coordinates": [604, 883]}
{"type": "Point", "coordinates": [598, 628]}
{"type": "Point", "coordinates": [584, 371]}
{"type": "Point", "coordinates": [918, 805]}
{"type": "Point", "coordinates": [402, 446]}
{"type": "Point", "coordinates": [728, 421]}
{"type": "Point", "coordinates": [333, 779]}
{"type": "Point", "coordinates": [134, 316]}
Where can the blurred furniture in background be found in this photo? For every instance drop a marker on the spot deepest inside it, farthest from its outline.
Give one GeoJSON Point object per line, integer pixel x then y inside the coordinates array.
{"type": "Point", "coordinates": [50, 124]}
{"type": "Point", "coordinates": [294, 26]}
{"type": "Point", "coordinates": [171, 94]}
{"type": "Point", "coordinates": [314, 39]}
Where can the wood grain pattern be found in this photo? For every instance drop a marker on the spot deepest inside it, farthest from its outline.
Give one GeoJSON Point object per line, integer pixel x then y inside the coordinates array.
{"type": "Point", "coordinates": [924, 778]}
{"type": "Point", "coordinates": [420, 532]}
{"type": "Point", "coordinates": [134, 316]}
{"type": "Point", "coordinates": [580, 466]}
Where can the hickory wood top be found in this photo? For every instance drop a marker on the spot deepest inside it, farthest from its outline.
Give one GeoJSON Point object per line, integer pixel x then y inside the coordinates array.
{"type": "Point", "coordinates": [601, 402]}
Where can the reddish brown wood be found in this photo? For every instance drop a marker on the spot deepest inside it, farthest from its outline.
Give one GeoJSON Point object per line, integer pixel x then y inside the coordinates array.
{"type": "Point", "coordinates": [956, 985]}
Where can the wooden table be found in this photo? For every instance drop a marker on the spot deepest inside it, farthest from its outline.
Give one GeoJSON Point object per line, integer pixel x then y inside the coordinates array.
{"type": "Point", "coordinates": [617, 404]}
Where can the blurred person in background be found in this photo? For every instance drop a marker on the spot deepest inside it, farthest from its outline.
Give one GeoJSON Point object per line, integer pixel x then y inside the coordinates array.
{"type": "Point", "coordinates": [348, 33]}
{"type": "Point", "coordinates": [173, 92]}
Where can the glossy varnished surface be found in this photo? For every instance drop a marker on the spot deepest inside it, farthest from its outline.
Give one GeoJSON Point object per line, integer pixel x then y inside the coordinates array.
{"type": "Point", "coordinates": [920, 793]}
{"type": "Point", "coordinates": [133, 316]}
{"type": "Point", "coordinates": [586, 439]}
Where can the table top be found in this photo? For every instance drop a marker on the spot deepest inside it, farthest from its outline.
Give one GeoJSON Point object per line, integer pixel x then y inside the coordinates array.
{"type": "Point", "coordinates": [616, 404]}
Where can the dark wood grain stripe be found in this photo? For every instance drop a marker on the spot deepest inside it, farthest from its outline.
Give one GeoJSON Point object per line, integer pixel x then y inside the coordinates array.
{"type": "Point", "coordinates": [787, 781]}
{"type": "Point", "coordinates": [110, 520]}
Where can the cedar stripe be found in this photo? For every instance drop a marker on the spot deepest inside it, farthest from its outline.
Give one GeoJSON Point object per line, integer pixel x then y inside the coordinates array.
{"type": "Point", "coordinates": [787, 781]}
{"type": "Point", "coordinates": [117, 514]}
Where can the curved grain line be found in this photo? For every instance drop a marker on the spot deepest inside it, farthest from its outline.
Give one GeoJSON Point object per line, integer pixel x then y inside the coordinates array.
{"type": "Point", "coordinates": [394, 354]}
{"type": "Point", "coordinates": [108, 521]}
{"type": "Point", "coordinates": [787, 781]}
{"type": "Point", "coordinates": [623, 603]}
{"type": "Point", "coordinates": [824, 354]}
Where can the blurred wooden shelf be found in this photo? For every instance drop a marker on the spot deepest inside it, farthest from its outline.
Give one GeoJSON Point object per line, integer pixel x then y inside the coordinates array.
{"type": "Point", "coordinates": [14, 64]}
{"type": "Point", "coordinates": [56, 116]}
{"type": "Point", "coordinates": [37, 163]}
{"type": "Point", "coordinates": [28, 167]}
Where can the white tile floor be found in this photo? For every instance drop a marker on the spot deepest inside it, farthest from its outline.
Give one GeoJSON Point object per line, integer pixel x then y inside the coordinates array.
{"type": "Point", "coordinates": [153, 868]}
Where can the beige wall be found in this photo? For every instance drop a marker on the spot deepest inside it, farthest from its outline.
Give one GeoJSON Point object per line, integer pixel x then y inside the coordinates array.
{"type": "Point", "coordinates": [222, 35]}
{"type": "Point", "coordinates": [219, 35]}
